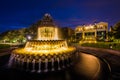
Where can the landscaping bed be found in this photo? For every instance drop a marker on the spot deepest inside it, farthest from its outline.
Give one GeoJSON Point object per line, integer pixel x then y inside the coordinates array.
{"type": "Point", "coordinates": [106, 45]}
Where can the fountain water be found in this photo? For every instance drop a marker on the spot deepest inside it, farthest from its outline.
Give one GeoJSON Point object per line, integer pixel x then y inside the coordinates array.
{"type": "Point", "coordinates": [39, 70]}
{"type": "Point", "coordinates": [52, 64]}
{"type": "Point", "coordinates": [33, 65]}
{"type": "Point", "coordinates": [58, 61]}
{"type": "Point", "coordinates": [28, 61]}
{"type": "Point", "coordinates": [47, 51]}
{"type": "Point", "coordinates": [46, 65]}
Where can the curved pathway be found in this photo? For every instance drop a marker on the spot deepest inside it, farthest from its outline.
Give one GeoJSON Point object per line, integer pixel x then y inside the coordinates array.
{"type": "Point", "coordinates": [111, 57]}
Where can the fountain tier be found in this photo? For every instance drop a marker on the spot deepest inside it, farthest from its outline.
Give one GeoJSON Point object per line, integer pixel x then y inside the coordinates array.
{"type": "Point", "coordinates": [41, 45]}
{"type": "Point", "coordinates": [47, 53]}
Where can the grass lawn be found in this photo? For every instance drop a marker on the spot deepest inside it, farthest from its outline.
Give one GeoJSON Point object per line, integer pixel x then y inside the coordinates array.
{"type": "Point", "coordinates": [105, 45]}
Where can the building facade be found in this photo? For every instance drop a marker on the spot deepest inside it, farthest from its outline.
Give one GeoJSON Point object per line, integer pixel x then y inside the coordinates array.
{"type": "Point", "coordinates": [92, 33]}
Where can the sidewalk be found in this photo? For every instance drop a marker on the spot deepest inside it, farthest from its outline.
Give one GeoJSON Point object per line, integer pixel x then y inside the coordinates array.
{"type": "Point", "coordinates": [98, 50]}
{"type": "Point", "coordinates": [109, 55]}
{"type": "Point", "coordinates": [5, 51]}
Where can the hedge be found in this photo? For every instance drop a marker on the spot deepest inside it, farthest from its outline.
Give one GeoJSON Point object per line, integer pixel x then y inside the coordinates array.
{"type": "Point", "coordinates": [115, 46]}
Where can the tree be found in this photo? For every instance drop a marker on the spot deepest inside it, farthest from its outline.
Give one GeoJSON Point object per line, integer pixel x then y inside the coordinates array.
{"type": "Point", "coordinates": [111, 33]}
{"type": "Point", "coordinates": [116, 30]}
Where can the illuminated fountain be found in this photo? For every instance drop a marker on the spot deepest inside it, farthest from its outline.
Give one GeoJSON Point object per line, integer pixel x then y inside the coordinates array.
{"type": "Point", "coordinates": [46, 53]}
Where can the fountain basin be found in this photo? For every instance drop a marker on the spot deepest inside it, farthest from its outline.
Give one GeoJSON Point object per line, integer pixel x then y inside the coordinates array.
{"type": "Point", "coordinates": [41, 60]}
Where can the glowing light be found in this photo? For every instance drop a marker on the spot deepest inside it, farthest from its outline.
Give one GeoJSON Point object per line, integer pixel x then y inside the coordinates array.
{"type": "Point", "coordinates": [90, 27]}
{"type": "Point", "coordinates": [47, 46]}
{"type": "Point", "coordinates": [47, 33]}
{"type": "Point", "coordinates": [48, 43]}
{"type": "Point", "coordinates": [56, 35]}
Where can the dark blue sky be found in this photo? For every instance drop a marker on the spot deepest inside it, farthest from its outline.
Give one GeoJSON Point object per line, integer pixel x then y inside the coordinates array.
{"type": "Point", "coordinates": [15, 14]}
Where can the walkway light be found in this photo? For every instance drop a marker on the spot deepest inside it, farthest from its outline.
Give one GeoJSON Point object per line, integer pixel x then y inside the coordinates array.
{"type": "Point", "coordinates": [29, 37]}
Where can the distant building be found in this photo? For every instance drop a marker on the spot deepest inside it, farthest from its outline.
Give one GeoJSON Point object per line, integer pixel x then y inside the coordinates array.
{"type": "Point", "coordinates": [92, 33]}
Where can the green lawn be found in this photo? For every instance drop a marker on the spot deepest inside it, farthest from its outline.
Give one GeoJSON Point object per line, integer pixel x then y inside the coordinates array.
{"type": "Point", "coordinates": [106, 45]}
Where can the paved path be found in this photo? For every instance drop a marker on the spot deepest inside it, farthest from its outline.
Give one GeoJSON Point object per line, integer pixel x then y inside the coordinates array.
{"type": "Point", "coordinates": [5, 51]}
{"type": "Point", "coordinates": [98, 50]}
{"type": "Point", "coordinates": [112, 57]}
{"type": "Point", "coordinates": [88, 66]}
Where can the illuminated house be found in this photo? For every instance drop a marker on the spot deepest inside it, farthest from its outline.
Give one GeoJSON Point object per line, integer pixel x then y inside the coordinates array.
{"type": "Point", "coordinates": [48, 52]}
{"type": "Point", "coordinates": [92, 33]}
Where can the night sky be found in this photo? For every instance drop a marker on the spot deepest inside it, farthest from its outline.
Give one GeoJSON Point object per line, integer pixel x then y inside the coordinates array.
{"type": "Point", "coordinates": [15, 14]}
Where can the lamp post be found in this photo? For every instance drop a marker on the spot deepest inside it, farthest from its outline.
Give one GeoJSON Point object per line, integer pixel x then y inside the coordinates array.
{"type": "Point", "coordinates": [29, 37]}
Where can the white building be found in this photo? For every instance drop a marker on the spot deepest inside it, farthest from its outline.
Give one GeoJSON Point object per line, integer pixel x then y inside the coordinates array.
{"type": "Point", "coordinates": [92, 33]}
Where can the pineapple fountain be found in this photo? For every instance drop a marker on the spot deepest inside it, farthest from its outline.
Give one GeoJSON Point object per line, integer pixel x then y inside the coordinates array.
{"type": "Point", "coordinates": [48, 52]}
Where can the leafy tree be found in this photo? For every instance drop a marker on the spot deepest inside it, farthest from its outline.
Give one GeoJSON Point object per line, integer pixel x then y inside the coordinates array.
{"type": "Point", "coordinates": [111, 33]}
{"type": "Point", "coordinates": [116, 31]}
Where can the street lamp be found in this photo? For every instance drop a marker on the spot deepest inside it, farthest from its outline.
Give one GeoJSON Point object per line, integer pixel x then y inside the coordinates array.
{"type": "Point", "coordinates": [29, 37]}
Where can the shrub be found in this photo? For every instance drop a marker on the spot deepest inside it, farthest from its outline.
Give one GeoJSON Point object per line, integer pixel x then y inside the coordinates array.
{"type": "Point", "coordinates": [115, 46]}
{"type": "Point", "coordinates": [4, 46]}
